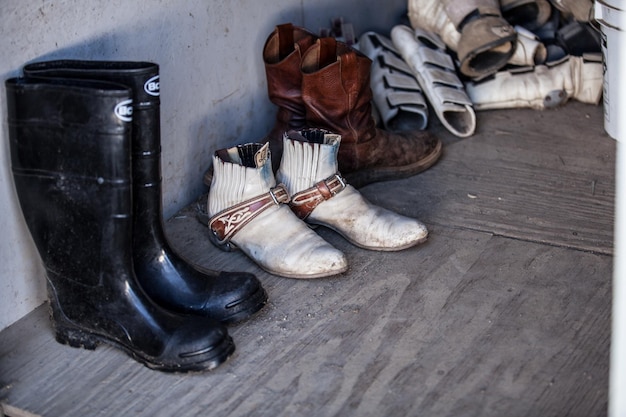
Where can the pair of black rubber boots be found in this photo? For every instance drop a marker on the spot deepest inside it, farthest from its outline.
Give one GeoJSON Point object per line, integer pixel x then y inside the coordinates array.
{"type": "Point", "coordinates": [85, 154]}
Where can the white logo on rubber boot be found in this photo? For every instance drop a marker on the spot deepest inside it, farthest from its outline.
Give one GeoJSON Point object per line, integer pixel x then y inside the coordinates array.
{"type": "Point", "coordinates": [124, 110]}
{"type": "Point", "coordinates": [152, 86]}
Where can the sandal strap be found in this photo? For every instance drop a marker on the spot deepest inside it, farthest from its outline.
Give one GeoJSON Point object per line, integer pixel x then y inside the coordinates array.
{"type": "Point", "coordinates": [225, 224]}
{"type": "Point", "coordinates": [304, 202]}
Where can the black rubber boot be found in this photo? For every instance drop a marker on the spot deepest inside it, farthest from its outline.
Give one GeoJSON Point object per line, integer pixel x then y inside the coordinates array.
{"type": "Point", "coordinates": [165, 276]}
{"type": "Point", "coordinates": [70, 155]}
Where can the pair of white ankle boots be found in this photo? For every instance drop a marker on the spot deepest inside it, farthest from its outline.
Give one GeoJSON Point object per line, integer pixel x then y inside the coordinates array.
{"type": "Point", "coordinates": [270, 223]}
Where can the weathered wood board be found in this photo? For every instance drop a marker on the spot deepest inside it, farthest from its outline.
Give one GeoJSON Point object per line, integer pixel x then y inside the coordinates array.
{"type": "Point", "coordinates": [545, 177]}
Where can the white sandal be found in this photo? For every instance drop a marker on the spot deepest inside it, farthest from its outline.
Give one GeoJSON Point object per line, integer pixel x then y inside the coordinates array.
{"type": "Point", "coordinates": [435, 72]}
{"type": "Point", "coordinates": [397, 95]}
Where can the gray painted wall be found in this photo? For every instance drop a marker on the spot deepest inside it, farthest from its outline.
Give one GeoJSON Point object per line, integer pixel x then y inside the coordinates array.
{"type": "Point", "coordinates": [213, 91]}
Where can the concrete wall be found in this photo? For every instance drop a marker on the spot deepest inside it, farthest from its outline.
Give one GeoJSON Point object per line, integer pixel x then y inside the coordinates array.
{"type": "Point", "coordinates": [213, 91]}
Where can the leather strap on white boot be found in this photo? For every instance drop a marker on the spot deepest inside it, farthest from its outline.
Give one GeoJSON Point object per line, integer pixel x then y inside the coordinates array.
{"type": "Point", "coordinates": [320, 196]}
{"type": "Point", "coordinates": [247, 211]}
{"type": "Point", "coordinates": [543, 86]}
{"type": "Point", "coordinates": [435, 72]}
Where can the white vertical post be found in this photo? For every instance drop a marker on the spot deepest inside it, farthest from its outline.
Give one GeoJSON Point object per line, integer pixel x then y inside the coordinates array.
{"type": "Point", "coordinates": [611, 17]}
{"type": "Point", "coordinates": [617, 378]}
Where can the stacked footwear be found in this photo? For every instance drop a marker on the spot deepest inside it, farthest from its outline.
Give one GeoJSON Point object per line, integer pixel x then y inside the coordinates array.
{"type": "Point", "coordinates": [85, 154]}
{"type": "Point", "coordinates": [325, 83]}
{"type": "Point", "coordinates": [517, 53]}
{"type": "Point", "coordinates": [558, 58]}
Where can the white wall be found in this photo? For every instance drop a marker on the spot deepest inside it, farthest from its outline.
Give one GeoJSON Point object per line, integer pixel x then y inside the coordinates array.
{"type": "Point", "coordinates": [213, 91]}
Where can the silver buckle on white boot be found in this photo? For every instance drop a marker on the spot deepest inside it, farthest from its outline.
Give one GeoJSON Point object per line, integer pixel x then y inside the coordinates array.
{"type": "Point", "coordinates": [225, 224]}
{"type": "Point", "coordinates": [304, 202]}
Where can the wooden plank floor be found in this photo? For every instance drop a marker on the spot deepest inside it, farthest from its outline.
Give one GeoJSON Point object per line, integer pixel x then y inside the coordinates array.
{"type": "Point", "coordinates": [505, 311]}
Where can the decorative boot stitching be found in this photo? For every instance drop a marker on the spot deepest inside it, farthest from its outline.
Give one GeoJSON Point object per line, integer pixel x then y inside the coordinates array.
{"type": "Point", "coordinates": [304, 202]}
{"type": "Point", "coordinates": [225, 224]}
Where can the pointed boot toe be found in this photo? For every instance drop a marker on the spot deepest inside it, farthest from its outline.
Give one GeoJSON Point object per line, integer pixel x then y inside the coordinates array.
{"type": "Point", "coordinates": [313, 261]}
{"type": "Point", "coordinates": [366, 225]}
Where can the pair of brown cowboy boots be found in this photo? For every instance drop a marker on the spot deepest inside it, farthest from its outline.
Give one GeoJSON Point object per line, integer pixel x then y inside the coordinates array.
{"type": "Point", "coordinates": [324, 83]}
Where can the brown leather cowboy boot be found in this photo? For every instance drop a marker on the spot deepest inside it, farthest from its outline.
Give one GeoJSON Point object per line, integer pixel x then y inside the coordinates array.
{"type": "Point", "coordinates": [282, 56]}
{"type": "Point", "coordinates": [337, 96]}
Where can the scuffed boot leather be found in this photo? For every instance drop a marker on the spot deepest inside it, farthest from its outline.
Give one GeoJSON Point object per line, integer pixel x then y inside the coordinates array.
{"type": "Point", "coordinates": [321, 196]}
{"type": "Point", "coordinates": [70, 146]}
{"type": "Point", "coordinates": [282, 56]}
{"type": "Point", "coordinates": [337, 97]}
{"type": "Point", "coordinates": [249, 211]}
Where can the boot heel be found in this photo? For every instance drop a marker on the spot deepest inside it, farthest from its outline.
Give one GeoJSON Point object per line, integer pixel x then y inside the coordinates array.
{"type": "Point", "coordinates": [75, 337]}
{"type": "Point", "coordinates": [68, 333]}
{"type": "Point", "coordinates": [226, 247]}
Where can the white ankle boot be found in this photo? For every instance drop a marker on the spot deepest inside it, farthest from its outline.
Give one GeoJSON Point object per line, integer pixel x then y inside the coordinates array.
{"type": "Point", "coordinates": [543, 86]}
{"type": "Point", "coordinates": [247, 210]}
{"type": "Point", "coordinates": [320, 196]}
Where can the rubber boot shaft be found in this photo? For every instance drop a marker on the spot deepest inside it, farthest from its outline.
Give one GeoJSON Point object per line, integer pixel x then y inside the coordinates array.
{"type": "Point", "coordinates": [70, 156]}
{"type": "Point", "coordinates": [164, 274]}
